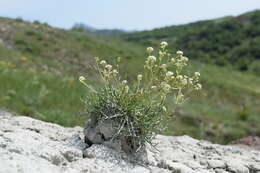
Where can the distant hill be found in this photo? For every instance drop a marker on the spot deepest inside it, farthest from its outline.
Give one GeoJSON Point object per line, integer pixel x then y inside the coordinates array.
{"type": "Point", "coordinates": [58, 48]}
{"type": "Point", "coordinates": [225, 41]}
{"type": "Point", "coordinates": [99, 32]}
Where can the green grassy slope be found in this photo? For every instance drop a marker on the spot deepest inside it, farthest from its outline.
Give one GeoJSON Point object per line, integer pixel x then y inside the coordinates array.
{"type": "Point", "coordinates": [229, 41]}
{"type": "Point", "coordinates": [58, 50]}
{"type": "Point", "coordinates": [39, 68]}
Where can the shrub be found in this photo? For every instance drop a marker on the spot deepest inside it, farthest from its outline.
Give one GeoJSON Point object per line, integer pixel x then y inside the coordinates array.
{"type": "Point", "coordinates": [19, 19]}
{"type": "Point", "coordinates": [138, 108]}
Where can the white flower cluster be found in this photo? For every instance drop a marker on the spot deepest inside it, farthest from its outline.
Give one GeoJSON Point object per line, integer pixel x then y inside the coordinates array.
{"type": "Point", "coordinates": [163, 74]}
{"type": "Point", "coordinates": [180, 61]}
{"type": "Point", "coordinates": [149, 50]}
{"type": "Point", "coordinates": [164, 44]}
{"type": "Point", "coordinates": [171, 81]}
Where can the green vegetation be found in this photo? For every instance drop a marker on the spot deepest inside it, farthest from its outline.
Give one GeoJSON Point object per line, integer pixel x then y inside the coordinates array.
{"type": "Point", "coordinates": [230, 41]}
{"type": "Point", "coordinates": [138, 110]}
{"type": "Point", "coordinates": [39, 68]}
{"type": "Point", "coordinates": [103, 32]}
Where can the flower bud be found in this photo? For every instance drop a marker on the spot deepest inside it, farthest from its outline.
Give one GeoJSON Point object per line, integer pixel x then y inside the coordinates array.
{"type": "Point", "coordinates": [164, 44]}
{"type": "Point", "coordinates": [151, 59]}
{"type": "Point", "coordinates": [149, 49]}
{"type": "Point", "coordinates": [82, 78]}
{"type": "Point", "coordinates": [169, 74]}
{"type": "Point", "coordinates": [114, 72]}
{"type": "Point", "coordinates": [164, 66]}
{"type": "Point", "coordinates": [103, 62]}
{"type": "Point", "coordinates": [109, 67]}
{"type": "Point", "coordinates": [153, 87]}
{"type": "Point", "coordinates": [139, 77]}
{"type": "Point", "coordinates": [126, 88]}
{"type": "Point", "coordinates": [198, 86]}
{"type": "Point", "coordinates": [197, 74]}
{"type": "Point", "coordinates": [179, 77]}
{"type": "Point", "coordinates": [190, 81]}
{"type": "Point", "coordinates": [173, 61]}
{"type": "Point", "coordinates": [124, 82]}
{"type": "Point", "coordinates": [164, 109]}
{"type": "Point", "coordinates": [180, 53]}
{"type": "Point", "coordinates": [166, 87]}
{"type": "Point", "coordinates": [184, 81]}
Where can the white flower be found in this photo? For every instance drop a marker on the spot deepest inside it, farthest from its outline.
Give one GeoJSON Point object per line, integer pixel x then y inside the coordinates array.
{"type": "Point", "coordinates": [109, 67]}
{"type": "Point", "coordinates": [139, 77]}
{"type": "Point", "coordinates": [166, 87]}
{"type": "Point", "coordinates": [151, 59]}
{"type": "Point", "coordinates": [169, 74]}
{"type": "Point", "coordinates": [190, 81]}
{"type": "Point", "coordinates": [179, 77]}
{"type": "Point", "coordinates": [164, 108]}
{"type": "Point", "coordinates": [164, 44]}
{"type": "Point", "coordinates": [126, 89]}
{"type": "Point", "coordinates": [114, 72]}
{"type": "Point", "coordinates": [180, 53]}
{"type": "Point", "coordinates": [198, 86]}
{"type": "Point", "coordinates": [164, 66]}
{"type": "Point", "coordinates": [184, 81]}
{"type": "Point", "coordinates": [197, 74]}
{"type": "Point", "coordinates": [82, 78]}
{"type": "Point", "coordinates": [153, 87]}
{"type": "Point", "coordinates": [124, 82]}
{"type": "Point", "coordinates": [103, 62]}
{"type": "Point", "coordinates": [173, 60]}
{"type": "Point", "coordinates": [149, 49]}
{"type": "Point", "coordinates": [185, 59]}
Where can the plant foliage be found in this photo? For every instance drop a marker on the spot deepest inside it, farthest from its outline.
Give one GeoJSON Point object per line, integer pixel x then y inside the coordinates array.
{"type": "Point", "coordinates": [139, 109]}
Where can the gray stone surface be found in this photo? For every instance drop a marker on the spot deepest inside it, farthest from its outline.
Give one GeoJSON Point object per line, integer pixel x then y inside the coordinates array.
{"type": "Point", "coordinates": [106, 133]}
{"type": "Point", "coordinates": [29, 145]}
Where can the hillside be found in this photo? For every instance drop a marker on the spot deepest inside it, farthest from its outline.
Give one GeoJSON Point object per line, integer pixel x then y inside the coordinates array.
{"type": "Point", "coordinates": [228, 41]}
{"type": "Point", "coordinates": [55, 49]}
{"type": "Point", "coordinates": [98, 32]}
{"type": "Point", "coordinates": [39, 68]}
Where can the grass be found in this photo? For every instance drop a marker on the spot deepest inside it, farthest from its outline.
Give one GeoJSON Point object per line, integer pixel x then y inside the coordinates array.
{"type": "Point", "coordinates": [226, 109]}
{"type": "Point", "coordinates": [43, 96]}
{"type": "Point", "coordinates": [39, 68]}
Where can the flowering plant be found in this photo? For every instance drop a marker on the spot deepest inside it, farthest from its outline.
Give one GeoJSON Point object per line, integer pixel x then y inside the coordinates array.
{"type": "Point", "coordinates": [139, 108]}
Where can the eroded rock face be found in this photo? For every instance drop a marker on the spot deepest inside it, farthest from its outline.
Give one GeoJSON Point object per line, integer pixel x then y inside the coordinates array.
{"type": "Point", "coordinates": [29, 145]}
{"type": "Point", "coordinates": [105, 133]}
{"type": "Point", "coordinates": [248, 142]}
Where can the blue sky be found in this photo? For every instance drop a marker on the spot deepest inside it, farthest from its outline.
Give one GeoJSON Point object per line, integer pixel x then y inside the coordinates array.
{"type": "Point", "coordinates": [123, 14]}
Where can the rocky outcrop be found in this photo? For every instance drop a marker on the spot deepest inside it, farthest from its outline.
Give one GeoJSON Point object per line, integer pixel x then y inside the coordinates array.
{"type": "Point", "coordinates": [97, 132]}
{"type": "Point", "coordinates": [248, 142]}
{"type": "Point", "coordinates": [29, 145]}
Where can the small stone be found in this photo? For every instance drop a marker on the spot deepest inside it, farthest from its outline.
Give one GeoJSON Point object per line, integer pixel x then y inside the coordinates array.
{"type": "Point", "coordinates": [216, 164]}
{"type": "Point", "coordinates": [236, 166]}
{"type": "Point", "coordinates": [220, 171]}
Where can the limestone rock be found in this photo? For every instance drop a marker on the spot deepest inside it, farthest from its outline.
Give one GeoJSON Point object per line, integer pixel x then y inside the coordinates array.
{"type": "Point", "coordinates": [29, 145]}
{"type": "Point", "coordinates": [105, 132]}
